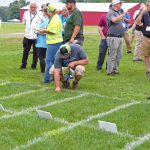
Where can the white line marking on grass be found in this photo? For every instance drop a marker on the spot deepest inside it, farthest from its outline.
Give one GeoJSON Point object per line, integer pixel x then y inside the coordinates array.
{"type": "Point", "coordinates": [72, 126]}
{"type": "Point", "coordinates": [136, 143]}
{"type": "Point", "coordinates": [102, 96]}
{"type": "Point", "coordinates": [22, 93]}
{"type": "Point", "coordinates": [28, 110]}
{"type": "Point", "coordinates": [4, 83]}
{"type": "Point", "coordinates": [119, 133]}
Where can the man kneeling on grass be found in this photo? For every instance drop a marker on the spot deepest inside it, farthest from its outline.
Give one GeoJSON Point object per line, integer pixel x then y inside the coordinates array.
{"type": "Point", "coordinates": [69, 58]}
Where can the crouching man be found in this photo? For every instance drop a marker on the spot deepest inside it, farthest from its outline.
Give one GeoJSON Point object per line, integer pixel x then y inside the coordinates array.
{"type": "Point", "coordinates": [73, 57]}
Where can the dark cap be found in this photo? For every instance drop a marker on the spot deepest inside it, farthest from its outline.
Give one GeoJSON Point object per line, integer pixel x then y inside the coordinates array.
{"type": "Point", "coordinates": [69, 1]}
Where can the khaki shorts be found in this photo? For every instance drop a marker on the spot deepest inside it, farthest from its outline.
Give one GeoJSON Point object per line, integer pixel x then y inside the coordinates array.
{"type": "Point", "coordinates": [79, 70]}
{"type": "Point", "coordinates": [145, 46]}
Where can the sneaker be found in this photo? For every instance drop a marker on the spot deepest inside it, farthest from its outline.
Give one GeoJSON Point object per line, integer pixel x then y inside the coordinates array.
{"type": "Point", "coordinates": [136, 60]}
{"type": "Point", "coordinates": [148, 73]}
{"type": "Point", "coordinates": [129, 52]}
{"type": "Point", "coordinates": [148, 97]}
{"type": "Point", "coordinates": [22, 67]}
{"type": "Point", "coordinates": [74, 85]}
{"type": "Point", "coordinates": [111, 73]}
{"type": "Point", "coordinates": [33, 67]}
{"type": "Point", "coordinates": [45, 81]}
{"type": "Point", "coordinates": [115, 71]}
{"type": "Point", "coordinates": [66, 84]}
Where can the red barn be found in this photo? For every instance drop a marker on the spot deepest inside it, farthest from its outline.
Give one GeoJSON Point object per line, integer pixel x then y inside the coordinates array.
{"type": "Point", "coordinates": [91, 11]}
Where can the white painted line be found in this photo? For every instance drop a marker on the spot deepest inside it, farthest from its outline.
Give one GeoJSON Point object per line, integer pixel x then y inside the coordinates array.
{"type": "Point", "coordinates": [136, 143]}
{"type": "Point", "coordinates": [119, 133]}
{"type": "Point", "coordinates": [72, 126]}
{"type": "Point", "coordinates": [4, 83]}
{"type": "Point", "coordinates": [1, 107]}
{"type": "Point", "coordinates": [28, 110]}
{"type": "Point", "coordinates": [22, 93]}
{"type": "Point", "coordinates": [103, 96]}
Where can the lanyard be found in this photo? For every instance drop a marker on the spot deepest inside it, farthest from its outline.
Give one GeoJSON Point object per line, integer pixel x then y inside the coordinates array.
{"type": "Point", "coordinates": [31, 19]}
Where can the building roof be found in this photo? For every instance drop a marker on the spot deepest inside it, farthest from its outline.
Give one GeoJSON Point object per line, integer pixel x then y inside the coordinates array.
{"type": "Point", "coordinates": [89, 7]}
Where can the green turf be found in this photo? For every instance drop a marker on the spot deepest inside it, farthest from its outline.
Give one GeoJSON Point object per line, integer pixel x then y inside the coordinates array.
{"type": "Point", "coordinates": [102, 93]}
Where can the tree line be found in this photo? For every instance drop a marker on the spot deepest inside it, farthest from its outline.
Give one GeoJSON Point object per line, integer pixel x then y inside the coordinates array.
{"type": "Point", "coordinates": [13, 10]}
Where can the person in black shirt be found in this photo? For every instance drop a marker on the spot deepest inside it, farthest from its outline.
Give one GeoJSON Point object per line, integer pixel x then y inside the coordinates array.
{"type": "Point", "coordinates": [144, 20]}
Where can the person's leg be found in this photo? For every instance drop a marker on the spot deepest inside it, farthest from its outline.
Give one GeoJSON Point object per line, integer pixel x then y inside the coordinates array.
{"type": "Point", "coordinates": [41, 55]}
{"type": "Point", "coordinates": [137, 50]}
{"type": "Point", "coordinates": [50, 56]}
{"type": "Point", "coordinates": [102, 53]}
{"type": "Point", "coordinates": [147, 63]}
{"type": "Point", "coordinates": [127, 41]}
{"type": "Point", "coordinates": [26, 48]}
{"type": "Point", "coordinates": [112, 53]}
{"type": "Point", "coordinates": [119, 55]}
{"type": "Point", "coordinates": [35, 55]}
{"type": "Point", "coordinates": [79, 73]}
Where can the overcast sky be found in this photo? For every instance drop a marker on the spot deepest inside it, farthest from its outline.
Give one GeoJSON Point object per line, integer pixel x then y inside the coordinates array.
{"type": "Point", "coordinates": [7, 2]}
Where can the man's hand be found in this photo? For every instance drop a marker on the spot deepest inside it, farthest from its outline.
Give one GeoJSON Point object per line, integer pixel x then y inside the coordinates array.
{"type": "Point", "coordinates": [71, 65]}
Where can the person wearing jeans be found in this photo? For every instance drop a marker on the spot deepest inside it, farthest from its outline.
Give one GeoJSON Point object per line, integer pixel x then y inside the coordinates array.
{"type": "Point", "coordinates": [102, 29]}
{"type": "Point", "coordinates": [53, 39]}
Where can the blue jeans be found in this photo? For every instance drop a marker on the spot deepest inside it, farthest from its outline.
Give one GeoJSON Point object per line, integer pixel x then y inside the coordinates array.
{"type": "Point", "coordinates": [102, 53]}
{"type": "Point", "coordinates": [50, 56]}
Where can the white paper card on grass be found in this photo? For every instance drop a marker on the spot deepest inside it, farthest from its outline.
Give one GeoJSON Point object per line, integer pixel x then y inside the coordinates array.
{"type": "Point", "coordinates": [1, 107]}
{"type": "Point", "coordinates": [44, 114]}
{"type": "Point", "coordinates": [108, 126]}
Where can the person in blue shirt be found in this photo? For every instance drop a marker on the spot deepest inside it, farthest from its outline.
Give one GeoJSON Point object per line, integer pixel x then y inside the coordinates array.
{"type": "Point", "coordinates": [73, 57]}
{"type": "Point", "coordinates": [64, 18]}
{"type": "Point", "coordinates": [41, 40]}
{"type": "Point", "coordinates": [126, 20]}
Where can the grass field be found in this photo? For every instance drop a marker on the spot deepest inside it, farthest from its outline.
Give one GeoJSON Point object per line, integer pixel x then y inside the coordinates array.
{"type": "Point", "coordinates": [74, 126]}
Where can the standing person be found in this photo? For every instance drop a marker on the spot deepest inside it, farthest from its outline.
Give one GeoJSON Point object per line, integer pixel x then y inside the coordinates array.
{"type": "Point", "coordinates": [126, 20]}
{"type": "Point", "coordinates": [138, 35]}
{"type": "Point", "coordinates": [53, 39]}
{"type": "Point", "coordinates": [73, 31]}
{"type": "Point", "coordinates": [31, 19]}
{"type": "Point", "coordinates": [64, 18]}
{"type": "Point", "coordinates": [144, 20]}
{"type": "Point", "coordinates": [102, 29]}
{"type": "Point", "coordinates": [71, 56]}
{"type": "Point", "coordinates": [41, 40]}
{"type": "Point", "coordinates": [114, 39]}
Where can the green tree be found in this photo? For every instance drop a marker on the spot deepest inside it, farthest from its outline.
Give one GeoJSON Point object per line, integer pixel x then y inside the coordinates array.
{"type": "Point", "coordinates": [14, 8]}
{"type": "Point", "coordinates": [4, 13]}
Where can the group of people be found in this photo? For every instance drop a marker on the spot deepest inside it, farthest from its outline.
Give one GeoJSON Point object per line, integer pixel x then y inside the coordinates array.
{"type": "Point", "coordinates": [59, 39]}
{"type": "Point", "coordinates": [113, 27]}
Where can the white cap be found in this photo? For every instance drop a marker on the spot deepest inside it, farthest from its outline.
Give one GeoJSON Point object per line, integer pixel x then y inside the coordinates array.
{"type": "Point", "coordinates": [116, 2]}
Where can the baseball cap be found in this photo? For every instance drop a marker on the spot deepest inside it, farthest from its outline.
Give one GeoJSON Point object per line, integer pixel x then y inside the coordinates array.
{"type": "Point", "coordinates": [116, 2]}
{"type": "Point", "coordinates": [65, 50]}
{"type": "Point", "coordinates": [52, 7]}
{"type": "Point", "coordinates": [70, 1]}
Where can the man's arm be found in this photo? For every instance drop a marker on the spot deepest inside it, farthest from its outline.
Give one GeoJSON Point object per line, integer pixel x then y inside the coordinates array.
{"type": "Point", "coordinates": [57, 79]}
{"type": "Point", "coordinates": [101, 32]}
{"type": "Point", "coordinates": [139, 18]}
{"type": "Point", "coordinates": [78, 62]}
{"type": "Point", "coordinates": [75, 32]}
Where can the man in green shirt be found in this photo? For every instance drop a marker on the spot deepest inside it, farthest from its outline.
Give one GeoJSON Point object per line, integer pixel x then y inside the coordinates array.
{"type": "Point", "coordinates": [73, 32]}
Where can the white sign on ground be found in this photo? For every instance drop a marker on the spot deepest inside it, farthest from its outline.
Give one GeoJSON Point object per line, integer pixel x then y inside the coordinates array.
{"type": "Point", "coordinates": [107, 126]}
{"type": "Point", "coordinates": [1, 107]}
{"type": "Point", "coordinates": [44, 114]}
